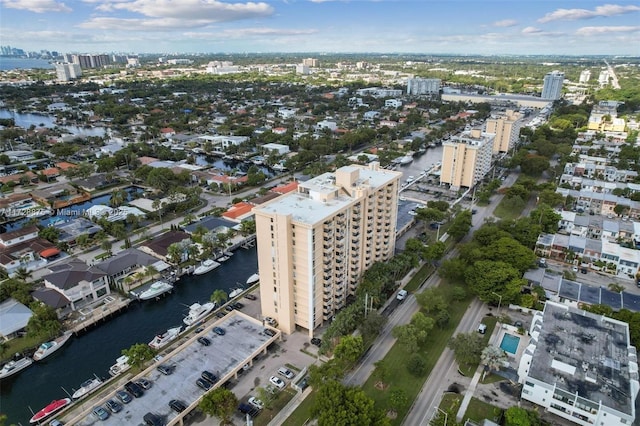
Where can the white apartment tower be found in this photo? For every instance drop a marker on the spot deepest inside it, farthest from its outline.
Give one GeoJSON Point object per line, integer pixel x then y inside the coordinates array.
{"type": "Point", "coordinates": [585, 76]}
{"type": "Point", "coordinates": [67, 71]}
{"type": "Point", "coordinates": [552, 87]}
{"type": "Point", "coordinates": [315, 244]}
{"type": "Point", "coordinates": [423, 86]}
{"type": "Point", "coordinates": [466, 158]}
{"type": "Point", "coordinates": [506, 128]}
{"type": "Point", "coordinates": [310, 62]}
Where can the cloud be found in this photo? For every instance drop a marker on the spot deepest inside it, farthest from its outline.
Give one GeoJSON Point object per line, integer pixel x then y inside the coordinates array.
{"type": "Point", "coordinates": [37, 6]}
{"type": "Point", "coordinates": [577, 14]}
{"type": "Point", "coordinates": [505, 23]}
{"type": "Point", "coordinates": [531, 30]}
{"type": "Point", "coordinates": [188, 10]}
{"type": "Point", "coordinates": [104, 23]}
{"type": "Point", "coordinates": [589, 31]}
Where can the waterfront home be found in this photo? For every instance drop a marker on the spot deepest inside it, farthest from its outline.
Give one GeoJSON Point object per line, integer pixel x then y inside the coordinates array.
{"type": "Point", "coordinates": [60, 195]}
{"type": "Point", "coordinates": [127, 262]}
{"type": "Point", "coordinates": [52, 298]}
{"type": "Point", "coordinates": [80, 283]}
{"type": "Point", "coordinates": [239, 212]}
{"type": "Point", "coordinates": [14, 317]}
{"type": "Point", "coordinates": [23, 248]}
{"type": "Point", "coordinates": [159, 245]}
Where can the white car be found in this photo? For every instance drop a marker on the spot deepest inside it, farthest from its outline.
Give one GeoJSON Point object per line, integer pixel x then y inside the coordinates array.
{"type": "Point", "coordinates": [277, 382]}
{"type": "Point", "coordinates": [402, 294]}
{"type": "Point", "coordinates": [285, 372]}
{"type": "Point", "coordinates": [256, 403]}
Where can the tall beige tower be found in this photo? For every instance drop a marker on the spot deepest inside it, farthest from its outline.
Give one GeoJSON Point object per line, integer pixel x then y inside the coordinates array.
{"type": "Point", "coordinates": [466, 159]}
{"type": "Point", "coordinates": [506, 129]}
{"type": "Point", "coordinates": [314, 244]}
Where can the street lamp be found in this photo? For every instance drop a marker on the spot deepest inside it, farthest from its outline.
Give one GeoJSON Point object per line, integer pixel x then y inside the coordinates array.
{"type": "Point", "coordinates": [499, 301]}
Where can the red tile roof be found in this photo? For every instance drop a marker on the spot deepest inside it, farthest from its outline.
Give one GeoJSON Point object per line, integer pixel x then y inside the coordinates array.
{"type": "Point", "coordinates": [283, 189]}
{"type": "Point", "coordinates": [63, 165]}
{"type": "Point", "coordinates": [237, 210]}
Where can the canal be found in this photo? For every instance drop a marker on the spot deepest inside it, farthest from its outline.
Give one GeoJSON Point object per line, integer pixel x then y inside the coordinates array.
{"type": "Point", "coordinates": [95, 351]}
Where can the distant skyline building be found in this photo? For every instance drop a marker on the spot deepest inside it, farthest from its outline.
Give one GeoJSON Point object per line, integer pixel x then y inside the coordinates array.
{"type": "Point", "coordinates": [89, 61]}
{"type": "Point", "coordinates": [310, 62]}
{"type": "Point", "coordinates": [552, 87]}
{"type": "Point", "coordinates": [506, 128]}
{"type": "Point", "coordinates": [66, 71]}
{"type": "Point", "coordinates": [302, 69]}
{"type": "Point", "coordinates": [423, 86]}
{"type": "Point", "coordinates": [315, 244]}
{"type": "Point", "coordinates": [466, 159]}
{"type": "Point", "coordinates": [585, 76]}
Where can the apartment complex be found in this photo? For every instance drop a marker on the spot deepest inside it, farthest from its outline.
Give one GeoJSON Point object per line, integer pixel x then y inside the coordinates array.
{"type": "Point", "coordinates": [423, 86]}
{"type": "Point", "coordinates": [67, 71]}
{"type": "Point", "coordinates": [466, 158]}
{"type": "Point", "coordinates": [314, 244]}
{"type": "Point", "coordinates": [580, 366]}
{"type": "Point", "coordinates": [506, 128]}
{"type": "Point", "coordinates": [552, 87]}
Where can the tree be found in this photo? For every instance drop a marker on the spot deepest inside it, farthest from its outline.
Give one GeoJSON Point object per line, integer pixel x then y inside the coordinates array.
{"type": "Point", "coordinates": [467, 347]}
{"type": "Point", "coordinates": [138, 354]}
{"type": "Point", "coordinates": [432, 300]}
{"type": "Point", "coordinates": [416, 365]}
{"type": "Point", "coordinates": [430, 215]}
{"type": "Point", "coordinates": [44, 322]}
{"type": "Point", "coordinates": [22, 274]}
{"type": "Point", "coordinates": [461, 225]}
{"type": "Point", "coordinates": [372, 325]}
{"type": "Point", "coordinates": [50, 233]}
{"type": "Point", "coordinates": [534, 165]}
{"type": "Point", "coordinates": [397, 399]}
{"type": "Point", "coordinates": [510, 251]}
{"type": "Point", "coordinates": [517, 416]}
{"type": "Point", "coordinates": [487, 278]}
{"type": "Point", "coordinates": [219, 402]}
{"type": "Point", "coordinates": [174, 253]}
{"type": "Point", "coordinates": [349, 349]}
{"type": "Point", "coordinates": [415, 333]}
{"type": "Point", "coordinates": [219, 296]}
{"type": "Point", "coordinates": [493, 357]}
{"type": "Point", "coordinates": [118, 197]}
{"type": "Point", "coordinates": [381, 371]}
{"type": "Point", "coordinates": [337, 404]}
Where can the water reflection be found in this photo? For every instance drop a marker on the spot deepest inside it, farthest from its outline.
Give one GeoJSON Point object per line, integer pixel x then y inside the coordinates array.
{"type": "Point", "coordinates": [26, 120]}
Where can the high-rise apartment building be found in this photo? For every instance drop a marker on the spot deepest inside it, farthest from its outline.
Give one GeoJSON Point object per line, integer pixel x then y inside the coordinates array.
{"type": "Point", "coordinates": [466, 158]}
{"type": "Point", "coordinates": [310, 62]}
{"type": "Point", "coordinates": [91, 61]}
{"type": "Point", "coordinates": [314, 244]}
{"type": "Point", "coordinates": [423, 86]}
{"type": "Point", "coordinates": [585, 76]}
{"type": "Point", "coordinates": [552, 87]}
{"type": "Point", "coordinates": [506, 128]}
{"type": "Point", "coordinates": [67, 72]}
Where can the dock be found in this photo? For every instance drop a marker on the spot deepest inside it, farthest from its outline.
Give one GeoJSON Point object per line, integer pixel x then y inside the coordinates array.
{"type": "Point", "coordinates": [87, 317]}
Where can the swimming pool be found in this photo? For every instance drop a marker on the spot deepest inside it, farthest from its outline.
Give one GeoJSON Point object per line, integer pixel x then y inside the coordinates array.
{"type": "Point", "coordinates": [510, 343]}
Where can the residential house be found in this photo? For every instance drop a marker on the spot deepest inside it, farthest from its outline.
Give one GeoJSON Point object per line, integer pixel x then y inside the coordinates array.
{"type": "Point", "coordinates": [127, 262]}
{"type": "Point", "coordinates": [159, 245]}
{"type": "Point", "coordinates": [275, 148]}
{"type": "Point", "coordinates": [80, 283]}
{"type": "Point", "coordinates": [59, 196]}
{"type": "Point", "coordinates": [14, 317]}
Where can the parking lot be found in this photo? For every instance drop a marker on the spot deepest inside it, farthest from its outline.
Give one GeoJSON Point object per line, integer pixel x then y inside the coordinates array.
{"type": "Point", "coordinates": [242, 342]}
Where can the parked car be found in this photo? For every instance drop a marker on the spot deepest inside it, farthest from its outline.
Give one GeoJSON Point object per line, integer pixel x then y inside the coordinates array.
{"type": "Point", "coordinates": [269, 332]}
{"type": "Point", "coordinates": [229, 308]}
{"type": "Point", "coordinates": [219, 331]}
{"type": "Point", "coordinates": [166, 369]}
{"type": "Point", "coordinates": [100, 413]}
{"type": "Point", "coordinates": [248, 409]}
{"type": "Point", "coordinates": [209, 376]}
{"type": "Point", "coordinates": [204, 341]}
{"type": "Point", "coordinates": [285, 372]}
{"type": "Point", "coordinates": [204, 384]}
{"type": "Point", "coordinates": [114, 406]}
{"type": "Point", "coordinates": [250, 296]}
{"type": "Point", "coordinates": [271, 321]}
{"type": "Point", "coordinates": [134, 389]}
{"type": "Point", "coordinates": [277, 382]}
{"type": "Point", "coordinates": [144, 383]}
{"type": "Point", "coordinates": [402, 294]}
{"type": "Point", "coordinates": [151, 419]}
{"type": "Point", "coordinates": [177, 405]}
{"type": "Point", "coordinates": [124, 396]}
{"type": "Point", "coordinates": [304, 383]}
{"type": "Point", "coordinates": [221, 314]}
{"type": "Point", "coordinates": [237, 305]}
{"type": "Point", "coordinates": [316, 342]}
{"type": "Point", "coordinates": [482, 328]}
{"type": "Point", "coordinates": [256, 402]}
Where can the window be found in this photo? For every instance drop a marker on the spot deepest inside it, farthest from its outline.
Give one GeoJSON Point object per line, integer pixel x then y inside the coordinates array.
{"type": "Point", "coordinates": [275, 289]}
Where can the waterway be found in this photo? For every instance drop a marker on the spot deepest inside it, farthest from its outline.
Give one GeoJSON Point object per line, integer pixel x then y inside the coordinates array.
{"type": "Point", "coordinates": [94, 352]}
{"type": "Point", "coordinates": [8, 63]}
{"type": "Point", "coordinates": [26, 120]}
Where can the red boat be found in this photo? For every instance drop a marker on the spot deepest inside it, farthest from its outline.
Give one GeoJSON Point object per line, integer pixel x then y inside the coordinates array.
{"type": "Point", "coordinates": [50, 409]}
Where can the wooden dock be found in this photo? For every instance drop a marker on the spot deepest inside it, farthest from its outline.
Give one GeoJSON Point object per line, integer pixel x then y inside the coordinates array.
{"type": "Point", "coordinates": [86, 318]}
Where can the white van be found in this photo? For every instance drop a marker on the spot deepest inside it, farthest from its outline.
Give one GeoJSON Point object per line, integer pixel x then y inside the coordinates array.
{"type": "Point", "coordinates": [482, 328]}
{"type": "Point", "coordinates": [402, 294]}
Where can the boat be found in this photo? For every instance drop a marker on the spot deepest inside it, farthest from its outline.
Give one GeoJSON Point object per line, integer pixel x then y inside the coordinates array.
{"type": "Point", "coordinates": [197, 312]}
{"type": "Point", "coordinates": [54, 407]}
{"type": "Point", "coordinates": [156, 289]}
{"type": "Point", "coordinates": [406, 159]}
{"type": "Point", "coordinates": [47, 348]}
{"type": "Point", "coordinates": [206, 266]}
{"type": "Point", "coordinates": [258, 160]}
{"type": "Point", "coordinates": [121, 365]}
{"type": "Point", "coordinates": [222, 258]}
{"type": "Point", "coordinates": [235, 292]}
{"type": "Point", "coordinates": [253, 279]}
{"type": "Point", "coordinates": [87, 387]}
{"type": "Point", "coordinates": [15, 366]}
{"type": "Point", "coordinates": [163, 339]}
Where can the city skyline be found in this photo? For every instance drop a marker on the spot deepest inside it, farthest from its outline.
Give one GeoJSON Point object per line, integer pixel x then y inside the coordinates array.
{"type": "Point", "coordinates": [332, 26]}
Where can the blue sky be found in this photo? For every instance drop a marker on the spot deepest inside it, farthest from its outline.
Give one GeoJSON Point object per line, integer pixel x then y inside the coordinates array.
{"type": "Point", "coordinates": [573, 27]}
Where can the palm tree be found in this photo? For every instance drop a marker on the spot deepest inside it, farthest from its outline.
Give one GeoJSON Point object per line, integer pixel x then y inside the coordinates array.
{"type": "Point", "coordinates": [118, 197]}
{"type": "Point", "coordinates": [22, 274]}
{"type": "Point", "coordinates": [219, 297]}
{"type": "Point", "coordinates": [158, 206]}
{"type": "Point", "coordinates": [151, 271]}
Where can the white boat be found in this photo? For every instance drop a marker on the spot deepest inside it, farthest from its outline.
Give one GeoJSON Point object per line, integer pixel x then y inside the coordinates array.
{"type": "Point", "coordinates": [15, 366]}
{"type": "Point", "coordinates": [206, 266]}
{"type": "Point", "coordinates": [163, 339]}
{"type": "Point", "coordinates": [222, 258]}
{"type": "Point", "coordinates": [121, 365]}
{"type": "Point", "coordinates": [47, 348]}
{"type": "Point", "coordinates": [253, 279]}
{"type": "Point", "coordinates": [86, 387]}
{"type": "Point", "coordinates": [235, 292]}
{"type": "Point", "coordinates": [156, 289]}
{"type": "Point", "coordinates": [279, 167]}
{"type": "Point", "coordinates": [258, 160]}
{"type": "Point", "coordinates": [406, 159]}
{"type": "Point", "coordinates": [197, 312]}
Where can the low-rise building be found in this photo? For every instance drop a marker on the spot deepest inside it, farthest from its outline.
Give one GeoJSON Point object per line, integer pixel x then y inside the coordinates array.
{"type": "Point", "coordinates": [14, 317]}
{"type": "Point", "coordinates": [80, 283]}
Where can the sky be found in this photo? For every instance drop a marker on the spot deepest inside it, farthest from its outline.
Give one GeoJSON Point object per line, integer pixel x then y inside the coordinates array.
{"type": "Point", "coordinates": [486, 27]}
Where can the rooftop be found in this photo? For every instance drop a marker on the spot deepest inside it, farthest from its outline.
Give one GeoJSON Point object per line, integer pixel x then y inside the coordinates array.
{"type": "Point", "coordinates": [586, 354]}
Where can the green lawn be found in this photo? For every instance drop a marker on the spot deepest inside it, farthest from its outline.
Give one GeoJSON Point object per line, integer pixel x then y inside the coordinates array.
{"type": "Point", "coordinates": [479, 410]}
{"type": "Point", "coordinates": [278, 404]}
{"type": "Point", "coordinates": [469, 369]}
{"type": "Point", "coordinates": [419, 278]}
{"type": "Point", "coordinates": [18, 345]}
{"type": "Point", "coordinates": [303, 412]}
{"type": "Point", "coordinates": [396, 360]}
{"type": "Point", "coordinates": [507, 210]}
